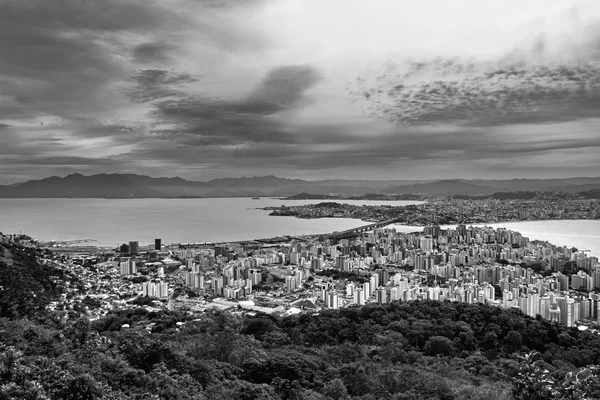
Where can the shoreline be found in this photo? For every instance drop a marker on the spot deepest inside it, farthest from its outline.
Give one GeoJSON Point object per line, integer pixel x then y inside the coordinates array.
{"type": "Point", "coordinates": [372, 221]}
{"type": "Point", "coordinates": [288, 238]}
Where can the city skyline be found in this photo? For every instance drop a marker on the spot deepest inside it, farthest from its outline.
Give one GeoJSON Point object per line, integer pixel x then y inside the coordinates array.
{"type": "Point", "coordinates": [300, 89]}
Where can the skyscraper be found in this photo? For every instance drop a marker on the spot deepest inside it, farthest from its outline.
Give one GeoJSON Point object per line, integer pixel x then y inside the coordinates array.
{"type": "Point", "coordinates": [157, 244]}
{"type": "Point", "coordinates": [134, 247]}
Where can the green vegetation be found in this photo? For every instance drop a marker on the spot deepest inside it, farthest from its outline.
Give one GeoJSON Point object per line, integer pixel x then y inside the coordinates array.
{"type": "Point", "coordinates": [336, 274]}
{"type": "Point", "coordinates": [412, 350]}
{"type": "Point", "coordinates": [416, 350]}
{"type": "Point", "coordinates": [26, 287]}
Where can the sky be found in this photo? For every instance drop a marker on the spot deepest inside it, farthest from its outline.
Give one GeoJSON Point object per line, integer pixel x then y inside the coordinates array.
{"type": "Point", "coordinates": [311, 89]}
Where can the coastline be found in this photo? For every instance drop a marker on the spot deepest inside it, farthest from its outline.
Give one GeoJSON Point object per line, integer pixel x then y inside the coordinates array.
{"type": "Point", "coordinates": [370, 221]}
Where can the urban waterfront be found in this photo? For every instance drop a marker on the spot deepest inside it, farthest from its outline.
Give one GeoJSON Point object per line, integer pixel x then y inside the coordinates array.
{"type": "Point", "coordinates": [112, 222]}
{"type": "Point", "coordinates": [582, 234]}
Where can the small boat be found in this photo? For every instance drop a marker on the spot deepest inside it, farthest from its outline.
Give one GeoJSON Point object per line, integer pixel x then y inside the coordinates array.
{"type": "Point", "coordinates": [256, 198]}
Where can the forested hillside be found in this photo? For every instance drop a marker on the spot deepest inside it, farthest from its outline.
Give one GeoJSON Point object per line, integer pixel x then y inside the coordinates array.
{"type": "Point", "coordinates": [26, 286]}
{"type": "Point", "coordinates": [420, 350]}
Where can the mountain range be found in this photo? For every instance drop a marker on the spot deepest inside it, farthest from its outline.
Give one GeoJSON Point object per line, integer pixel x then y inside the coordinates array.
{"type": "Point", "coordinates": [140, 186]}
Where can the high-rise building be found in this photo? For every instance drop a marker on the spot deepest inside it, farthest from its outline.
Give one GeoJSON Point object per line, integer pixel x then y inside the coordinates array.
{"type": "Point", "coordinates": [157, 244]}
{"type": "Point", "coordinates": [384, 277]}
{"type": "Point", "coordinates": [332, 300]}
{"type": "Point", "coordinates": [359, 296]}
{"type": "Point", "coordinates": [381, 295]}
{"type": "Point", "coordinates": [291, 283]}
{"type": "Point", "coordinates": [162, 290]}
{"type": "Point", "coordinates": [148, 289]}
{"type": "Point", "coordinates": [194, 280]}
{"type": "Point", "coordinates": [128, 268]}
{"type": "Point", "coordinates": [350, 289]}
{"type": "Point", "coordinates": [395, 293]}
{"type": "Point", "coordinates": [217, 285]}
{"type": "Point", "coordinates": [255, 276]}
{"type": "Point", "coordinates": [134, 247]}
{"type": "Point", "coordinates": [427, 243]}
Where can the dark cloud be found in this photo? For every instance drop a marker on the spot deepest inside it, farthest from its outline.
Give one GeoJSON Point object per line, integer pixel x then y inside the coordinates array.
{"type": "Point", "coordinates": [204, 121]}
{"type": "Point", "coordinates": [285, 86]}
{"type": "Point", "coordinates": [154, 84]}
{"type": "Point", "coordinates": [157, 77]}
{"type": "Point", "coordinates": [66, 56]}
{"type": "Point", "coordinates": [486, 94]}
{"type": "Point", "coordinates": [57, 54]}
{"type": "Point", "coordinates": [151, 52]}
{"type": "Point", "coordinates": [59, 161]}
{"type": "Point", "coordinates": [407, 145]}
{"type": "Point", "coordinates": [62, 15]}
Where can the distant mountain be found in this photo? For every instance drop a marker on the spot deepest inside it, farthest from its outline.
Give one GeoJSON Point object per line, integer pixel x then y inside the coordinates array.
{"type": "Point", "coordinates": [308, 196]}
{"type": "Point", "coordinates": [78, 186]}
{"type": "Point", "coordinates": [442, 188]}
{"type": "Point", "coordinates": [140, 186]}
{"type": "Point", "coordinates": [315, 189]}
{"type": "Point", "coordinates": [255, 182]}
{"type": "Point", "coordinates": [571, 185]}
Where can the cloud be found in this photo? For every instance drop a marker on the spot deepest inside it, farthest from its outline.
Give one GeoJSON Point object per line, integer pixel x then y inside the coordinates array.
{"type": "Point", "coordinates": [285, 87]}
{"type": "Point", "coordinates": [481, 94]}
{"type": "Point", "coordinates": [62, 56]}
{"type": "Point", "coordinates": [151, 52]}
{"type": "Point", "coordinates": [68, 57]}
{"type": "Point", "coordinates": [216, 87]}
{"type": "Point", "coordinates": [154, 84]}
{"type": "Point", "coordinates": [211, 121]}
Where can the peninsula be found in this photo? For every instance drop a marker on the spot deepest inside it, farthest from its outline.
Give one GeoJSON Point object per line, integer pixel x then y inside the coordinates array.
{"type": "Point", "coordinates": [447, 211]}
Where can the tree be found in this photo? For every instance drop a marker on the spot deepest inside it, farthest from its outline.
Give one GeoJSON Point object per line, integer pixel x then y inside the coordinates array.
{"type": "Point", "coordinates": [513, 341]}
{"type": "Point", "coordinates": [490, 341]}
{"type": "Point", "coordinates": [335, 389]}
{"type": "Point", "coordinates": [437, 345]}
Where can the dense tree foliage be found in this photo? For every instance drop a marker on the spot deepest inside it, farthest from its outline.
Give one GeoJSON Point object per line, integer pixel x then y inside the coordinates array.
{"type": "Point", "coordinates": [341, 275]}
{"type": "Point", "coordinates": [423, 349]}
{"type": "Point", "coordinates": [416, 350]}
{"type": "Point", "coordinates": [26, 287]}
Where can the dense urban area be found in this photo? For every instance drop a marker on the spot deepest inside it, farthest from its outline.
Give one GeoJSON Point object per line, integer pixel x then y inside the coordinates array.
{"type": "Point", "coordinates": [448, 211]}
{"type": "Point", "coordinates": [471, 312]}
{"type": "Point", "coordinates": [468, 264]}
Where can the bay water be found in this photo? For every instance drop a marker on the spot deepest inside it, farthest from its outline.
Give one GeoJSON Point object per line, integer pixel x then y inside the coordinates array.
{"type": "Point", "coordinates": [111, 222]}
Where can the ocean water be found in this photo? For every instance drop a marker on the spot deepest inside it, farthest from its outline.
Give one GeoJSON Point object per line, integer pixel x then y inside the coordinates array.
{"type": "Point", "coordinates": [112, 222]}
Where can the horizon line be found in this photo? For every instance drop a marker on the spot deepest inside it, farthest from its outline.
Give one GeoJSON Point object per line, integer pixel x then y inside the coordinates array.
{"type": "Point", "coordinates": [296, 179]}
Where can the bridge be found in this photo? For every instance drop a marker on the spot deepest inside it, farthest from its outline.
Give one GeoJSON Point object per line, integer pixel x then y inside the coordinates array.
{"type": "Point", "coordinates": [355, 231]}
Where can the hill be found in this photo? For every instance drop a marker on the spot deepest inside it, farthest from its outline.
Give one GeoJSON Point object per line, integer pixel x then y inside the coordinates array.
{"type": "Point", "coordinates": [26, 287]}
{"type": "Point", "coordinates": [308, 196]}
{"type": "Point", "coordinates": [140, 186]}
{"type": "Point", "coordinates": [442, 188]}
{"type": "Point", "coordinates": [416, 350]}
{"type": "Point", "coordinates": [591, 194]}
